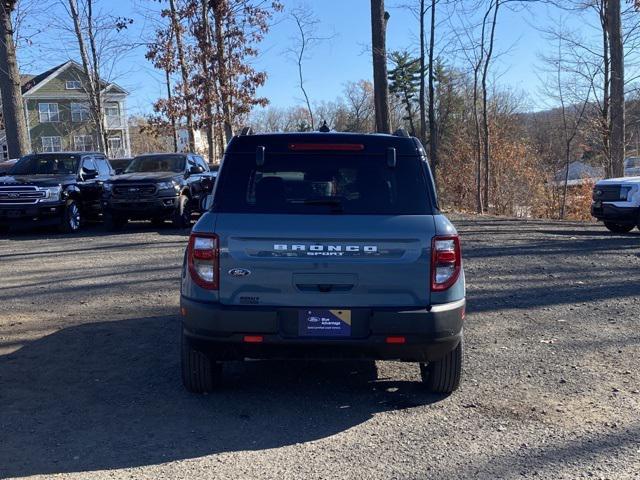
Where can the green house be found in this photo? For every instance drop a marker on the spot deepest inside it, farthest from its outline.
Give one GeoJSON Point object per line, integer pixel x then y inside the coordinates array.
{"type": "Point", "coordinates": [58, 114]}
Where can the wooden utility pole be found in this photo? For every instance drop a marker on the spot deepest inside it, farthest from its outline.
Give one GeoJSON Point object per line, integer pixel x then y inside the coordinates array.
{"type": "Point", "coordinates": [617, 87]}
{"type": "Point", "coordinates": [15, 125]}
{"type": "Point", "coordinates": [379, 19]}
{"type": "Point", "coordinates": [423, 69]}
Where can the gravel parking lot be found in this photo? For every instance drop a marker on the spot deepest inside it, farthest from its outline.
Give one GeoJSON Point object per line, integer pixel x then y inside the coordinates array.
{"type": "Point", "coordinates": [90, 384]}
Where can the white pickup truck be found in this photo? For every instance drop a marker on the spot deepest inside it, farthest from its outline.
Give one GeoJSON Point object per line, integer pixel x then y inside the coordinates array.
{"type": "Point", "coordinates": [616, 202]}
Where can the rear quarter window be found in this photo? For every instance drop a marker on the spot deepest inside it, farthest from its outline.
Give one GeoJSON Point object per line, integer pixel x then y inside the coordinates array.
{"type": "Point", "coordinates": [323, 184]}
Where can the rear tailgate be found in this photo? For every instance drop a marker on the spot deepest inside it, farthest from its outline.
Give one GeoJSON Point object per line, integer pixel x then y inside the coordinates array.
{"type": "Point", "coordinates": [325, 260]}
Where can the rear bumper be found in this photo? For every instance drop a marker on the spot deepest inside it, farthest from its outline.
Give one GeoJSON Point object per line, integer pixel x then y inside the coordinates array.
{"type": "Point", "coordinates": [141, 207]}
{"type": "Point", "coordinates": [610, 213]}
{"type": "Point", "coordinates": [49, 213]}
{"type": "Point", "coordinates": [428, 333]}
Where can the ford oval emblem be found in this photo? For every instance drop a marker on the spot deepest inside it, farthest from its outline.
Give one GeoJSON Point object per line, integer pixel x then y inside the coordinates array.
{"type": "Point", "coordinates": [239, 272]}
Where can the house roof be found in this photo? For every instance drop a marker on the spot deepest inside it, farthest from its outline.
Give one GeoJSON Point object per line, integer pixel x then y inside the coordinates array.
{"type": "Point", "coordinates": [34, 80]}
{"type": "Point", "coordinates": [31, 82]}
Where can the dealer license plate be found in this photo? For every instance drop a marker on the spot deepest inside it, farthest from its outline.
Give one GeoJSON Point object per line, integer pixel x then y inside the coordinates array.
{"type": "Point", "coordinates": [324, 323]}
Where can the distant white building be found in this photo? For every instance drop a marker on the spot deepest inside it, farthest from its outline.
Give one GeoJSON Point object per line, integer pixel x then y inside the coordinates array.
{"type": "Point", "coordinates": [183, 141]}
{"type": "Point", "coordinates": [579, 173]}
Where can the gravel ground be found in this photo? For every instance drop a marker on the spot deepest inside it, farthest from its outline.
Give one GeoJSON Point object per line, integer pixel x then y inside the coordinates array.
{"type": "Point", "coordinates": [89, 372]}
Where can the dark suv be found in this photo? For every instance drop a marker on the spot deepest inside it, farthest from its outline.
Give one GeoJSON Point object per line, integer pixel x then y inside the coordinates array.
{"type": "Point", "coordinates": [323, 245]}
{"type": "Point", "coordinates": [54, 188]}
{"type": "Point", "coordinates": [158, 187]}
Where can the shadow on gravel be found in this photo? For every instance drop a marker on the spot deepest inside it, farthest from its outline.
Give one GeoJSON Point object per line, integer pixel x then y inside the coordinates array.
{"type": "Point", "coordinates": [108, 395]}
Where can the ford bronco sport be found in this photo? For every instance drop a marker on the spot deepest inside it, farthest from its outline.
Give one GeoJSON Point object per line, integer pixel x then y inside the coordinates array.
{"type": "Point", "coordinates": [323, 245]}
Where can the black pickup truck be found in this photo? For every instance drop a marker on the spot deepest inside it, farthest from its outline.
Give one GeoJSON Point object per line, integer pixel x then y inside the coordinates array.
{"type": "Point", "coordinates": [158, 187]}
{"type": "Point", "coordinates": [60, 189]}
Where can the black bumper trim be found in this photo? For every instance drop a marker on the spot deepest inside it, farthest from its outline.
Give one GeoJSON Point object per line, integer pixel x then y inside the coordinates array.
{"type": "Point", "coordinates": [611, 213]}
{"type": "Point", "coordinates": [429, 333]}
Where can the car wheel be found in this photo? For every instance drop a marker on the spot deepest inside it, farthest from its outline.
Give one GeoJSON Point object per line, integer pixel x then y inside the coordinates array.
{"type": "Point", "coordinates": [618, 228]}
{"type": "Point", "coordinates": [114, 222]}
{"type": "Point", "coordinates": [200, 374]}
{"type": "Point", "coordinates": [443, 376]}
{"type": "Point", "coordinates": [71, 218]}
{"type": "Point", "coordinates": [182, 214]}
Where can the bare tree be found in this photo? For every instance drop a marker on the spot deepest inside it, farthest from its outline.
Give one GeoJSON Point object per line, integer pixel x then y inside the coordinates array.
{"type": "Point", "coordinates": [379, 19]}
{"type": "Point", "coordinates": [184, 72]}
{"type": "Point", "coordinates": [12, 108]}
{"type": "Point", "coordinates": [306, 39]}
{"type": "Point", "coordinates": [565, 89]}
{"type": "Point", "coordinates": [433, 127]}
{"type": "Point", "coordinates": [485, 111]}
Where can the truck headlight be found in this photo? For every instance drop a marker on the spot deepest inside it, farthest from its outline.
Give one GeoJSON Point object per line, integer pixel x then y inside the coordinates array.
{"type": "Point", "coordinates": [624, 192]}
{"type": "Point", "coordinates": [168, 185]}
{"type": "Point", "coordinates": [53, 193]}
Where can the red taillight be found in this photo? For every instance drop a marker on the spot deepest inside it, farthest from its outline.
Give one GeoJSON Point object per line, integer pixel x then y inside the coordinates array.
{"type": "Point", "coordinates": [202, 257]}
{"type": "Point", "coordinates": [253, 338]}
{"type": "Point", "coordinates": [344, 147]}
{"type": "Point", "coordinates": [446, 262]}
{"type": "Point", "coordinates": [396, 340]}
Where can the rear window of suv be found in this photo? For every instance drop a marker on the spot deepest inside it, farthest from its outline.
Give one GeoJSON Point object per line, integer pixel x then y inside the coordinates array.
{"type": "Point", "coordinates": [323, 184]}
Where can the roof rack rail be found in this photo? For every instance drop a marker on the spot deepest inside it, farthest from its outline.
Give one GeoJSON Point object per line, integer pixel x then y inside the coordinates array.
{"type": "Point", "coordinates": [401, 132]}
{"type": "Point", "coordinates": [246, 131]}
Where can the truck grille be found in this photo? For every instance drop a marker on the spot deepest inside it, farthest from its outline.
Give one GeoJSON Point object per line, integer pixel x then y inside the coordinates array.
{"type": "Point", "coordinates": [139, 190]}
{"type": "Point", "coordinates": [609, 193]}
{"type": "Point", "coordinates": [19, 195]}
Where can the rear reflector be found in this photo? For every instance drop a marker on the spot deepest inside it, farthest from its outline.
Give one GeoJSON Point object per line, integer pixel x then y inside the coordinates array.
{"type": "Point", "coordinates": [337, 147]}
{"type": "Point", "coordinates": [253, 339]}
{"type": "Point", "coordinates": [396, 340]}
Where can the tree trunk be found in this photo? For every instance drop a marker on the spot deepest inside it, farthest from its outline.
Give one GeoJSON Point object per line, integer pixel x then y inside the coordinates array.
{"type": "Point", "coordinates": [617, 88]}
{"type": "Point", "coordinates": [219, 8]}
{"type": "Point", "coordinates": [184, 73]}
{"type": "Point", "coordinates": [606, 90]}
{"type": "Point", "coordinates": [102, 128]}
{"type": "Point", "coordinates": [15, 124]}
{"type": "Point", "coordinates": [379, 19]}
{"type": "Point", "coordinates": [485, 111]}
{"type": "Point", "coordinates": [433, 127]}
{"type": "Point", "coordinates": [423, 113]}
{"type": "Point", "coordinates": [172, 117]}
{"type": "Point", "coordinates": [205, 46]}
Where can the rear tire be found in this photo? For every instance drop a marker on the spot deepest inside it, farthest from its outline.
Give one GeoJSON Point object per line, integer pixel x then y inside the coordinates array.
{"type": "Point", "coordinates": [114, 222]}
{"type": "Point", "coordinates": [200, 374]}
{"type": "Point", "coordinates": [443, 376]}
{"type": "Point", "coordinates": [618, 228]}
{"type": "Point", "coordinates": [182, 214]}
{"type": "Point", "coordinates": [71, 218]}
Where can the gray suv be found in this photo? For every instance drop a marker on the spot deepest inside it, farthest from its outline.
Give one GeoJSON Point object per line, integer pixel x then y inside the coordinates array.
{"type": "Point", "coordinates": [323, 245]}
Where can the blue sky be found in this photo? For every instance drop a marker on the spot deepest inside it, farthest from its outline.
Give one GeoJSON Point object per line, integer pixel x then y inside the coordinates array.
{"type": "Point", "coordinates": [343, 58]}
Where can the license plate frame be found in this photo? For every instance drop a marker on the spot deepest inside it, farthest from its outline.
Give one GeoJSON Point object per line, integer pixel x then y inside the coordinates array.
{"type": "Point", "coordinates": [325, 323]}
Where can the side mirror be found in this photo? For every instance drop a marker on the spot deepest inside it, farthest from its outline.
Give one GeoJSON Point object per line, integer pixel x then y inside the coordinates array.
{"type": "Point", "coordinates": [119, 171]}
{"type": "Point", "coordinates": [195, 170]}
{"type": "Point", "coordinates": [88, 174]}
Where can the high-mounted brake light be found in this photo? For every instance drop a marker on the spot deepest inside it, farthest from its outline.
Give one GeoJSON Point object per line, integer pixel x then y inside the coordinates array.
{"type": "Point", "coordinates": [446, 262]}
{"type": "Point", "coordinates": [337, 147]}
{"type": "Point", "coordinates": [203, 260]}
